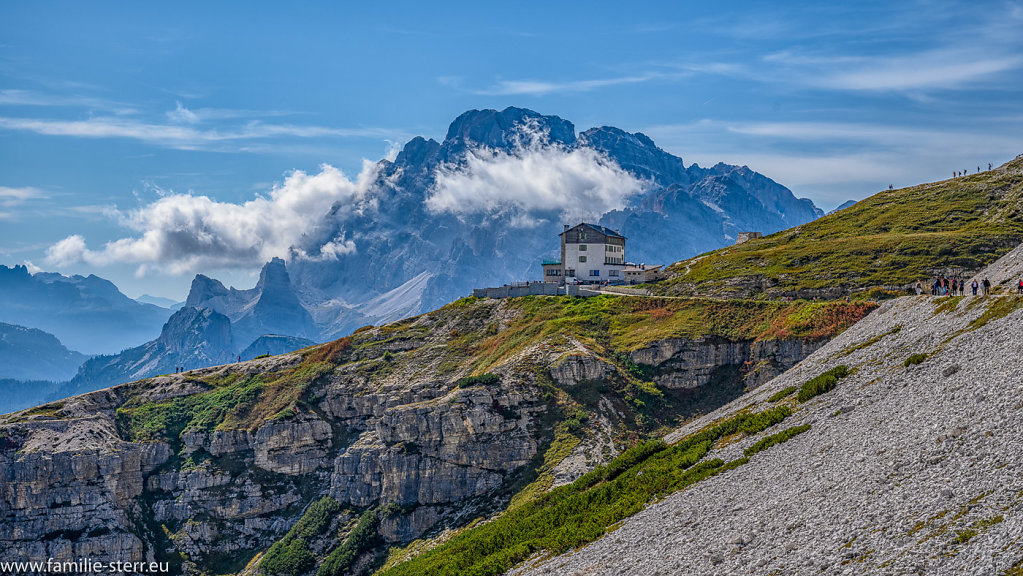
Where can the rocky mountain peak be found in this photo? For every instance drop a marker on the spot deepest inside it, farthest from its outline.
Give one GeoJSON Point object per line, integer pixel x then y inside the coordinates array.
{"type": "Point", "coordinates": [204, 289]}
{"type": "Point", "coordinates": [191, 329]}
{"type": "Point", "coordinates": [274, 275]}
{"type": "Point", "coordinates": [637, 153]}
{"type": "Point", "coordinates": [418, 152]}
{"type": "Point", "coordinates": [502, 129]}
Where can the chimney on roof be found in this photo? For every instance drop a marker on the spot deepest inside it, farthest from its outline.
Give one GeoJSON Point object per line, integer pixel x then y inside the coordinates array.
{"type": "Point", "coordinates": [566, 227]}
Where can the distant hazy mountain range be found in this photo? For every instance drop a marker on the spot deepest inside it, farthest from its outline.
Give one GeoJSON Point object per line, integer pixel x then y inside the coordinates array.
{"type": "Point", "coordinates": [160, 301]}
{"type": "Point", "coordinates": [87, 314]}
{"type": "Point", "coordinates": [31, 354]}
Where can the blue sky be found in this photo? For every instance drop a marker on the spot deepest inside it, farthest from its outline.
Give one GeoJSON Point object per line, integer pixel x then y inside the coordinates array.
{"type": "Point", "coordinates": [107, 107]}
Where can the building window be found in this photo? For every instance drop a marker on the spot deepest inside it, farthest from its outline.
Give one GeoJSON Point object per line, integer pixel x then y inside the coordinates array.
{"type": "Point", "coordinates": [582, 247]}
{"type": "Point", "coordinates": [612, 273]}
{"type": "Point", "coordinates": [582, 258]}
{"type": "Point", "coordinates": [594, 272]}
{"type": "Point", "coordinates": [554, 272]}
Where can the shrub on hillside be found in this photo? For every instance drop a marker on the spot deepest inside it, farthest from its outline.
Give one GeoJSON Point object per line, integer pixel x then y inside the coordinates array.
{"type": "Point", "coordinates": [822, 383]}
{"type": "Point", "coordinates": [363, 537]}
{"type": "Point", "coordinates": [288, 557]}
{"type": "Point", "coordinates": [914, 359]}
{"type": "Point", "coordinates": [782, 394]}
{"type": "Point", "coordinates": [481, 380]}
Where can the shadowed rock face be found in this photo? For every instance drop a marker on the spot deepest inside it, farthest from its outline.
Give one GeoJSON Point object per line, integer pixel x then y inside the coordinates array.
{"type": "Point", "coordinates": [681, 363]}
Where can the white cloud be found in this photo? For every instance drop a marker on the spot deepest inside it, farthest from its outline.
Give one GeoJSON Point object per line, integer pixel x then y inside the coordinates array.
{"type": "Point", "coordinates": [935, 69]}
{"type": "Point", "coordinates": [540, 87]}
{"type": "Point", "coordinates": [14, 97]}
{"type": "Point", "coordinates": [9, 195]}
{"type": "Point", "coordinates": [535, 177]}
{"type": "Point", "coordinates": [68, 251]}
{"type": "Point", "coordinates": [177, 135]}
{"type": "Point", "coordinates": [831, 162]}
{"type": "Point", "coordinates": [182, 115]}
{"type": "Point", "coordinates": [185, 233]}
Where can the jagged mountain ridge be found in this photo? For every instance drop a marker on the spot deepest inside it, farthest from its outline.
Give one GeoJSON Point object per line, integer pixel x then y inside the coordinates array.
{"type": "Point", "coordinates": [271, 307]}
{"type": "Point", "coordinates": [409, 259]}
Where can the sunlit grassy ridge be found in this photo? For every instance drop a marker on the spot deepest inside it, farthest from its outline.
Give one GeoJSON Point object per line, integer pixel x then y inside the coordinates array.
{"type": "Point", "coordinates": [611, 326]}
{"type": "Point", "coordinates": [621, 323]}
{"type": "Point", "coordinates": [894, 237]}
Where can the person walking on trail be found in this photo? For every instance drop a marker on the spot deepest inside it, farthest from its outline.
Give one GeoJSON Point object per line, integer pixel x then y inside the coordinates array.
{"type": "Point", "coordinates": [974, 286]}
{"type": "Point", "coordinates": [919, 287]}
{"type": "Point", "coordinates": [987, 286]}
{"type": "Point", "coordinates": [1020, 291]}
{"type": "Point", "coordinates": [988, 165]}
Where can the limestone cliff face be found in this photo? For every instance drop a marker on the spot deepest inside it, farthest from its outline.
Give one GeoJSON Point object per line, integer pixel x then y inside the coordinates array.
{"type": "Point", "coordinates": [208, 468]}
{"type": "Point", "coordinates": [683, 363]}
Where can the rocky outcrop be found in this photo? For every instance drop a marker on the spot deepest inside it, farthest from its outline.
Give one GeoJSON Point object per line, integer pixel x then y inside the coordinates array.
{"type": "Point", "coordinates": [579, 367]}
{"type": "Point", "coordinates": [681, 363]}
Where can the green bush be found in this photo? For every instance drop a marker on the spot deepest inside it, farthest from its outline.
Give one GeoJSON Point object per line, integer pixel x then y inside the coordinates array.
{"type": "Point", "coordinates": [316, 518]}
{"type": "Point", "coordinates": [289, 557]}
{"type": "Point", "coordinates": [577, 420]}
{"type": "Point", "coordinates": [782, 393]}
{"type": "Point", "coordinates": [822, 383]}
{"type": "Point", "coordinates": [773, 439]}
{"type": "Point", "coordinates": [363, 537]}
{"type": "Point", "coordinates": [914, 359]}
{"type": "Point", "coordinates": [481, 380]}
{"type": "Point", "coordinates": [641, 371]}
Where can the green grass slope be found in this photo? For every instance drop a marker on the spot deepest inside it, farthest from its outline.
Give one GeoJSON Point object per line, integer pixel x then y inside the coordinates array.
{"type": "Point", "coordinates": [890, 239]}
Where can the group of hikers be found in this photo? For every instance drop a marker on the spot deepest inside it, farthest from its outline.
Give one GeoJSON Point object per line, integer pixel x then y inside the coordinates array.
{"type": "Point", "coordinates": [942, 286]}
{"type": "Point", "coordinates": [960, 174]}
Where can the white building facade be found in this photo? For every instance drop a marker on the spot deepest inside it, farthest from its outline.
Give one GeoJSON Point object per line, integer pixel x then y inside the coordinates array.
{"type": "Point", "coordinates": [589, 253]}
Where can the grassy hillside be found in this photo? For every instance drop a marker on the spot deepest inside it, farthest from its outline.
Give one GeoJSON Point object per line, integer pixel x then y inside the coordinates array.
{"type": "Point", "coordinates": [467, 338]}
{"type": "Point", "coordinates": [890, 239]}
{"type": "Point", "coordinates": [611, 324]}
